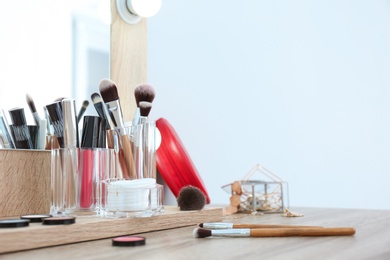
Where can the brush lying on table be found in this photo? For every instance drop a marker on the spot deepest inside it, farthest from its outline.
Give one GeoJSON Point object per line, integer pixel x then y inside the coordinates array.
{"type": "Point", "coordinates": [225, 225]}
{"type": "Point", "coordinates": [274, 232]}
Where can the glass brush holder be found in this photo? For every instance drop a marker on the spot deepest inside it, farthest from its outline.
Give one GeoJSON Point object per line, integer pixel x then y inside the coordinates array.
{"type": "Point", "coordinates": [75, 179]}
{"type": "Point", "coordinates": [132, 190]}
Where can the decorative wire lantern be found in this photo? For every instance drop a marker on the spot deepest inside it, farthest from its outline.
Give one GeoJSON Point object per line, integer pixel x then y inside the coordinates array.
{"type": "Point", "coordinates": [259, 195]}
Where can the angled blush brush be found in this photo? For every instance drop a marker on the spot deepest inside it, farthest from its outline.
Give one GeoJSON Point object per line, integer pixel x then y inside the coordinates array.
{"type": "Point", "coordinates": [109, 93]}
{"type": "Point", "coordinates": [143, 92]}
{"type": "Point", "coordinates": [82, 110]}
{"type": "Point", "coordinates": [274, 232]}
{"type": "Point", "coordinates": [225, 225]}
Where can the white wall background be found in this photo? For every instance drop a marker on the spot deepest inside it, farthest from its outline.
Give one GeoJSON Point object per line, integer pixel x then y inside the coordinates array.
{"type": "Point", "coordinates": [35, 53]}
{"type": "Point", "coordinates": [301, 87]}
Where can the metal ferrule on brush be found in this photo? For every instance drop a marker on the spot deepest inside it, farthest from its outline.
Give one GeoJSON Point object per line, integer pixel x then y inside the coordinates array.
{"type": "Point", "coordinates": [240, 232]}
{"type": "Point", "coordinates": [115, 111]}
{"type": "Point", "coordinates": [219, 225]}
{"type": "Point", "coordinates": [70, 123]}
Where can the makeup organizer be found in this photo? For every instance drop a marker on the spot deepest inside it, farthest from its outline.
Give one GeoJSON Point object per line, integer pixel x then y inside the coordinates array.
{"type": "Point", "coordinates": [27, 174]}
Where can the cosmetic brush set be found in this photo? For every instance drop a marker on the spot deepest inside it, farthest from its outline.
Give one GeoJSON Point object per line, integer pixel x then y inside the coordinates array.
{"type": "Point", "coordinates": [114, 161]}
{"type": "Point", "coordinates": [61, 121]}
{"type": "Point", "coordinates": [123, 154]}
{"type": "Point", "coordinates": [19, 135]}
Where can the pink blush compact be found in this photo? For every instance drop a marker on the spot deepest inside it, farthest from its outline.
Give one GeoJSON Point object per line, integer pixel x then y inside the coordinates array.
{"type": "Point", "coordinates": [128, 241]}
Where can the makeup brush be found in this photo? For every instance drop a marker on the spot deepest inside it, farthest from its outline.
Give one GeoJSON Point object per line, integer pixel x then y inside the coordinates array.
{"type": "Point", "coordinates": [143, 92]}
{"type": "Point", "coordinates": [142, 137]}
{"type": "Point", "coordinates": [20, 130]}
{"type": "Point", "coordinates": [82, 110]}
{"type": "Point", "coordinates": [144, 110]}
{"type": "Point", "coordinates": [99, 106]}
{"type": "Point", "coordinates": [224, 225]}
{"type": "Point", "coordinates": [7, 140]}
{"type": "Point", "coordinates": [56, 116]}
{"type": "Point", "coordinates": [34, 112]}
{"type": "Point", "coordinates": [41, 123]}
{"type": "Point", "coordinates": [274, 232]}
{"type": "Point", "coordinates": [109, 93]}
{"type": "Point", "coordinates": [191, 198]}
{"type": "Point", "coordinates": [48, 122]}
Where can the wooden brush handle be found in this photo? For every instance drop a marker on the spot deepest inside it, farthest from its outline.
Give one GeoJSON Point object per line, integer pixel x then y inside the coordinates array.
{"type": "Point", "coordinates": [270, 226]}
{"type": "Point", "coordinates": [128, 156]}
{"type": "Point", "coordinates": [122, 164]}
{"type": "Point", "coordinates": [288, 232]}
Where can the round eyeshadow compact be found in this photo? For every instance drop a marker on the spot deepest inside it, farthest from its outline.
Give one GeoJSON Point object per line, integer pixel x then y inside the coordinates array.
{"type": "Point", "coordinates": [59, 221]}
{"type": "Point", "coordinates": [128, 241]}
{"type": "Point", "coordinates": [14, 223]}
{"type": "Point", "coordinates": [35, 218]}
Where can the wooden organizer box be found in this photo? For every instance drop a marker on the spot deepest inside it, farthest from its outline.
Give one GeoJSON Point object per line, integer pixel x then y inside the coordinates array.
{"type": "Point", "coordinates": [89, 228]}
{"type": "Point", "coordinates": [25, 182]}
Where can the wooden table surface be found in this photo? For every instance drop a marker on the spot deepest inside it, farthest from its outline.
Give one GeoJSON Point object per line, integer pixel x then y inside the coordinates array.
{"type": "Point", "coordinates": [371, 241]}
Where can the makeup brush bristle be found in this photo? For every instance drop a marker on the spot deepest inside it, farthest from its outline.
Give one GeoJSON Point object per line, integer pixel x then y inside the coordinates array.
{"type": "Point", "coordinates": [144, 92]}
{"type": "Point", "coordinates": [95, 97]}
{"type": "Point", "coordinates": [30, 103]}
{"type": "Point", "coordinates": [144, 108]}
{"type": "Point", "coordinates": [85, 104]}
{"type": "Point", "coordinates": [201, 233]}
{"type": "Point", "coordinates": [108, 90]}
{"type": "Point", "coordinates": [191, 198]}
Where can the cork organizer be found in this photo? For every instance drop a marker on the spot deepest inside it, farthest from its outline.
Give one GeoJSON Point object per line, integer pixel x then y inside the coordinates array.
{"type": "Point", "coordinates": [26, 174]}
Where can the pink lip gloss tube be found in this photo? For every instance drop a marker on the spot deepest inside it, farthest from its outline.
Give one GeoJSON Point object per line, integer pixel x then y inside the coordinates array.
{"type": "Point", "coordinates": [87, 178]}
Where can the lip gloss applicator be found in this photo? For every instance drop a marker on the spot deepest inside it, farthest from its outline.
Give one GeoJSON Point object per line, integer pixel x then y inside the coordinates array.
{"type": "Point", "coordinates": [89, 141]}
